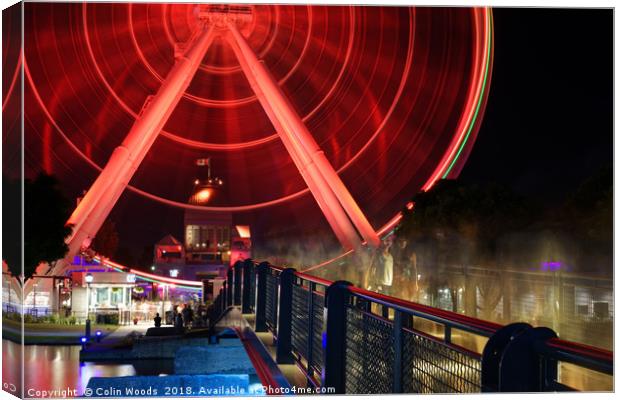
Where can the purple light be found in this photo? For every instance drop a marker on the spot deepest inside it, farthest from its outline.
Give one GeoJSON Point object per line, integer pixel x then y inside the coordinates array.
{"type": "Point", "coordinates": [81, 261]}
{"type": "Point", "coordinates": [98, 333]}
{"type": "Point", "coordinates": [551, 266]}
{"type": "Point", "coordinates": [83, 339]}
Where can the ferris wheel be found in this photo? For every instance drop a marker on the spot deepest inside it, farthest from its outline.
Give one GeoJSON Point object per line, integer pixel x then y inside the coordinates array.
{"type": "Point", "coordinates": [345, 109]}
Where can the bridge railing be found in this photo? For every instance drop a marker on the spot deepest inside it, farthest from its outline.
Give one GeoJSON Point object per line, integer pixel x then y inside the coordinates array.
{"type": "Point", "coordinates": [358, 341]}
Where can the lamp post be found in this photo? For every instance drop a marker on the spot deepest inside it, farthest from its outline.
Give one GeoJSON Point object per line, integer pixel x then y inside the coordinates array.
{"type": "Point", "coordinates": [34, 300]}
{"type": "Point", "coordinates": [88, 278]}
{"type": "Point", "coordinates": [164, 295]}
{"type": "Point", "coordinates": [131, 278]}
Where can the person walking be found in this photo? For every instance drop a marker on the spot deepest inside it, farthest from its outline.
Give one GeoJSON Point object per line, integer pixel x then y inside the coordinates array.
{"type": "Point", "coordinates": [185, 315]}
{"type": "Point", "coordinates": [190, 316]}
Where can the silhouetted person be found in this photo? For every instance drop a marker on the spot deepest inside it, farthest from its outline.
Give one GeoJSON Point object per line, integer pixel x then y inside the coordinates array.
{"type": "Point", "coordinates": [178, 322]}
{"type": "Point", "coordinates": [157, 320]}
{"type": "Point", "coordinates": [188, 316]}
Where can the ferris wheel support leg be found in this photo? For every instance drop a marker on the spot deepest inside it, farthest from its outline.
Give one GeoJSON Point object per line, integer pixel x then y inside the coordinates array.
{"type": "Point", "coordinates": [281, 110]}
{"type": "Point", "coordinates": [328, 203]}
{"type": "Point", "coordinates": [94, 208]}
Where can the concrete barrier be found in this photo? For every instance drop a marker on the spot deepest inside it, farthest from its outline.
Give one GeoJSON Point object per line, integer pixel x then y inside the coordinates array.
{"type": "Point", "coordinates": [230, 358]}
{"type": "Point", "coordinates": [163, 331]}
{"type": "Point", "coordinates": [143, 349]}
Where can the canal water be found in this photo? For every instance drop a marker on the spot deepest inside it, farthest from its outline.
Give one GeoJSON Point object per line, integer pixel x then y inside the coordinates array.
{"type": "Point", "coordinates": [59, 367]}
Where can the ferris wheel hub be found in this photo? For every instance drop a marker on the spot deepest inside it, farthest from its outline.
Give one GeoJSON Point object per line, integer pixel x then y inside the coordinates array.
{"type": "Point", "coordinates": [219, 15]}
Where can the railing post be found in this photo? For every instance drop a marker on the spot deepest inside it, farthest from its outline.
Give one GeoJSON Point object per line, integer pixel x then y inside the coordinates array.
{"type": "Point", "coordinates": [238, 270]}
{"type": "Point", "coordinates": [223, 295]}
{"type": "Point", "coordinates": [247, 286]}
{"type": "Point", "coordinates": [334, 336]}
{"type": "Point", "coordinates": [510, 362]}
{"type": "Point", "coordinates": [309, 343]}
{"type": "Point", "coordinates": [285, 321]}
{"type": "Point", "coordinates": [261, 297]}
{"type": "Point", "coordinates": [229, 282]}
{"type": "Point", "coordinates": [397, 336]}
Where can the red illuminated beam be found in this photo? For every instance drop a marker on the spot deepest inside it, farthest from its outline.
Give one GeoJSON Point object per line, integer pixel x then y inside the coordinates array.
{"type": "Point", "coordinates": [333, 198]}
{"type": "Point", "coordinates": [126, 158]}
{"type": "Point", "coordinates": [328, 203]}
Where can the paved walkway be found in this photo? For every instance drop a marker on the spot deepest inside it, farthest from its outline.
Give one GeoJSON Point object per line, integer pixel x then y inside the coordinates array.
{"type": "Point", "coordinates": [125, 330]}
{"type": "Point", "coordinates": [232, 319]}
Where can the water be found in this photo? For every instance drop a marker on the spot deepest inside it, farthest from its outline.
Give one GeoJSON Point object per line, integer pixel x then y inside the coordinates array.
{"type": "Point", "coordinates": [59, 368]}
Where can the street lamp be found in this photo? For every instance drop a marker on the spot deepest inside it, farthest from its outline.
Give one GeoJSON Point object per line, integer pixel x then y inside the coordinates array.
{"type": "Point", "coordinates": [131, 278]}
{"type": "Point", "coordinates": [88, 278]}
{"type": "Point", "coordinates": [34, 300]}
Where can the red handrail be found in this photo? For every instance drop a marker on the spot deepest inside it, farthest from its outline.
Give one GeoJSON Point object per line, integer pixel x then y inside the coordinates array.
{"type": "Point", "coordinates": [463, 321]}
{"type": "Point", "coordinates": [488, 327]}
{"type": "Point", "coordinates": [315, 279]}
{"type": "Point", "coordinates": [581, 349]}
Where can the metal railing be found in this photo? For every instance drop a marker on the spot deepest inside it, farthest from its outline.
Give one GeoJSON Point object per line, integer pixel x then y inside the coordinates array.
{"type": "Point", "coordinates": [358, 341]}
{"type": "Point", "coordinates": [220, 303]}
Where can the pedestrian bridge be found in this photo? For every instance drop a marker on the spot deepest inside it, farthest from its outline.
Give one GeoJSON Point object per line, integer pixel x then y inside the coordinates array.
{"type": "Point", "coordinates": [334, 337]}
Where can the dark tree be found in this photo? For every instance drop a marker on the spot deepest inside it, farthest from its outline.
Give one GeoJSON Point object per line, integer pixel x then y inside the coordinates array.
{"type": "Point", "coordinates": [106, 240]}
{"type": "Point", "coordinates": [590, 209]}
{"type": "Point", "coordinates": [480, 214]}
{"type": "Point", "coordinates": [46, 211]}
{"type": "Point", "coordinates": [12, 224]}
{"type": "Point", "coordinates": [459, 223]}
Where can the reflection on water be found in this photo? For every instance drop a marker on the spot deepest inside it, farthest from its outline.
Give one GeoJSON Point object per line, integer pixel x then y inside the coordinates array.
{"type": "Point", "coordinates": [59, 367]}
{"type": "Point", "coordinates": [11, 367]}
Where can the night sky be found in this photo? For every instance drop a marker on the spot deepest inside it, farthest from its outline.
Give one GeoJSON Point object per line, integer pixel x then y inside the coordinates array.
{"type": "Point", "coordinates": [548, 124]}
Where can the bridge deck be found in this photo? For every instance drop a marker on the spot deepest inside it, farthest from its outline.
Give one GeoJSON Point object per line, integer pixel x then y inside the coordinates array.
{"type": "Point", "coordinates": [235, 319]}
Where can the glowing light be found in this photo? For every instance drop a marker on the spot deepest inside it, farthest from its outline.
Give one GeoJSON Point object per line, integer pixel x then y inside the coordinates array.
{"type": "Point", "coordinates": [469, 118]}
{"type": "Point", "coordinates": [203, 195]}
{"type": "Point", "coordinates": [551, 266]}
{"type": "Point", "coordinates": [243, 230]}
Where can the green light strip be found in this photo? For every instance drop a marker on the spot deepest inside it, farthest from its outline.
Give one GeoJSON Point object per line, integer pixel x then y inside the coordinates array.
{"type": "Point", "coordinates": [484, 83]}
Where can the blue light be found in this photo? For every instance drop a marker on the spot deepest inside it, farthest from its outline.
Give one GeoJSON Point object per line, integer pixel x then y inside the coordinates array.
{"type": "Point", "coordinates": [98, 333]}
{"type": "Point", "coordinates": [83, 339]}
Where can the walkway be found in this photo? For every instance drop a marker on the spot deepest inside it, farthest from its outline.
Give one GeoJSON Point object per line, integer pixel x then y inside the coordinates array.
{"type": "Point", "coordinates": [126, 330]}
{"type": "Point", "coordinates": [233, 318]}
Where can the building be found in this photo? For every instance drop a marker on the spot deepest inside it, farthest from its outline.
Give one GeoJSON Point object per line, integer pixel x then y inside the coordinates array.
{"type": "Point", "coordinates": [102, 294]}
{"type": "Point", "coordinates": [211, 241]}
